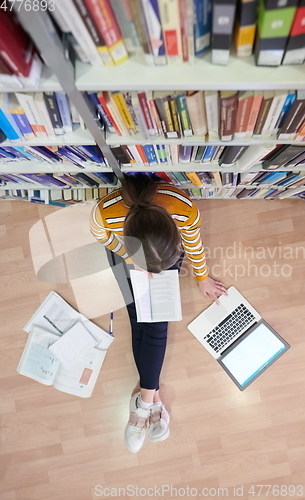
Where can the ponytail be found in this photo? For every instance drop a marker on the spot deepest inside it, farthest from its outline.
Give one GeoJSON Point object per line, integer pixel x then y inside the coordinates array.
{"type": "Point", "coordinates": [138, 190]}
{"type": "Point", "coordinates": [149, 225]}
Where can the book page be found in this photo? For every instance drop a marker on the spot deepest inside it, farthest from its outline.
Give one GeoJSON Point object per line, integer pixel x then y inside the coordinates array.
{"type": "Point", "coordinates": [57, 316]}
{"type": "Point", "coordinates": [73, 345]}
{"type": "Point", "coordinates": [81, 377]}
{"type": "Point", "coordinates": [37, 361]}
{"type": "Point", "coordinates": [140, 284]}
{"type": "Point", "coordinates": [165, 296]}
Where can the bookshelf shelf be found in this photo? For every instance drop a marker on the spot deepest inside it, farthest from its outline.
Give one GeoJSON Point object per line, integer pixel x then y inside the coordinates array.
{"type": "Point", "coordinates": [139, 138]}
{"type": "Point", "coordinates": [240, 74]}
{"type": "Point", "coordinates": [47, 168]}
{"type": "Point", "coordinates": [201, 167]}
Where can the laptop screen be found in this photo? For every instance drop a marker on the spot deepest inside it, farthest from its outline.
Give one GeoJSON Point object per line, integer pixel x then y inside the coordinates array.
{"type": "Point", "coordinates": [249, 357]}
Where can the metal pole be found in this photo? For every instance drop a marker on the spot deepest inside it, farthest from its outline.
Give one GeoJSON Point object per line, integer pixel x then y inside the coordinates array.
{"type": "Point", "coordinates": [42, 32]}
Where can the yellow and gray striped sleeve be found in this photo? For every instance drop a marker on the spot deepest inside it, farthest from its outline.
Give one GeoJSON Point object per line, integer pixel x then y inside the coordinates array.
{"type": "Point", "coordinates": [103, 234]}
{"type": "Point", "coordinates": [192, 243]}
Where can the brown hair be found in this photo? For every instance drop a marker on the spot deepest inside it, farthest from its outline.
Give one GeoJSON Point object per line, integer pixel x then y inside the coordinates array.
{"type": "Point", "coordinates": [149, 225]}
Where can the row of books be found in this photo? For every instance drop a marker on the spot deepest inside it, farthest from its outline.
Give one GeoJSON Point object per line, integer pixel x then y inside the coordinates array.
{"type": "Point", "coordinates": [58, 197]}
{"type": "Point", "coordinates": [172, 31]}
{"type": "Point", "coordinates": [228, 115]}
{"type": "Point", "coordinates": [271, 157]}
{"type": "Point", "coordinates": [83, 157]}
{"type": "Point", "coordinates": [214, 115]}
{"type": "Point", "coordinates": [243, 193]}
{"type": "Point", "coordinates": [25, 116]}
{"type": "Point", "coordinates": [61, 180]}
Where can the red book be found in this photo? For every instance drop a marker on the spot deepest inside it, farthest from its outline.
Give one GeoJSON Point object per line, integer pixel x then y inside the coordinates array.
{"type": "Point", "coordinates": [103, 98]}
{"type": "Point", "coordinates": [16, 48]}
{"type": "Point", "coordinates": [145, 110]}
{"type": "Point", "coordinates": [165, 177]}
{"type": "Point", "coordinates": [4, 69]}
{"type": "Point", "coordinates": [106, 23]}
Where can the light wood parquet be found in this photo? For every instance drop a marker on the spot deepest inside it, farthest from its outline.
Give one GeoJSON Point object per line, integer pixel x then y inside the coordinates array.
{"type": "Point", "coordinates": [55, 446]}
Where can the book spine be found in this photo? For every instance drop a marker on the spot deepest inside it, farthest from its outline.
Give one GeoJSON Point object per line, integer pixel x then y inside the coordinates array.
{"type": "Point", "coordinates": [150, 154]}
{"type": "Point", "coordinates": [64, 111]}
{"type": "Point", "coordinates": [212, 113]}
{"type": "Point", "coordinates": [68, 11]}
{"type": "Point", "coordinates": [22, 122]}
{"type": "Point", "coordinates": [190, 17]}
{"type": "Point", "coordinates": [123, 14]}
{"type": "Point", "coordinates": [52, 107]}
{"type": "Point", "coordinates": [108, 27]}
{"type": "Point", "coordinates": [242, 117]}
{"type": "Point", "coordinates": [193, 177]}
{"type": "Point", "coordinates": [273, 115]}
{"type": "Point", "coordinates": [197, 111]}
{"type": "Point", "coordinates": [228, 109]}
{"type": "Point", "coordinates": [254, 112]}
{"type": "Point", "coordinates": [142, 31]}
{"type": "Point", "coordinates": [174, 115]}
{"type": "Point", "coordinates": [222, 29]}
{"type": "Point", "coordinates": [184, 29]}
{"type": "Point", "coordinates": [124, 111]}
{"type": "Point", "coordinates": [110, 119]}
{"type": "Point", "coordinates": [185, 153]}
{"type": "Point", "coordinates": [294, 121]}
{"type": "Point", "coordinates": [42, 109]}
{"type": "Point", "coordinates": [154, 113]}
{"type": "Point", "coordinates": [27, 103]}
{"type": "Point", "coordinates": [9, 130]}
{"type": "Point", "coordinates": [94, 32]}
{"type": "Point", "coordinates": [146, 113]}
{"type": "Point", "coordinates": [245, 27]}
{"type": "Point", "coordinates": [287, 104]}
{"type": "Point", "coordinates": [295, 49]}
{"type": "Point", "coordinates": [153, 23]}
{"type": "Point", "coordinates": [170, 19]}
{"type": "Point", "coordinates": [202, 25]}
{"type": "Point", "coordinates": [184, 115]}
{"type": "Point", "coordinates": [263, 113]}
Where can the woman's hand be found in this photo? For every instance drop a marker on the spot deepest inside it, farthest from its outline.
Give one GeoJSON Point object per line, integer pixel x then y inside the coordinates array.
{"type": "Point", "coordinates": [211, 289]}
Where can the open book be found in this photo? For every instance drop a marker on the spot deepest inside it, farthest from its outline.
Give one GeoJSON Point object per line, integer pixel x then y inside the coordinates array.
{"type": "Point", "coordinates": [50, 322]}
{"type": "Point", "coordinates": [39, 363]}
{"type": "Point", "coordinates": [157, 298]}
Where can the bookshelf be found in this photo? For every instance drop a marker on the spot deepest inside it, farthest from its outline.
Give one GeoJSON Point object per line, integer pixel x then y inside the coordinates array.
{"type": "Point", "coordinates": [134, 75]}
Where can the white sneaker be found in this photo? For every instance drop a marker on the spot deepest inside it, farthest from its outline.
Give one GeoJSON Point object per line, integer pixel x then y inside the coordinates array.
{"type": "Point", "coordinates": [159, 421]}
{"type": "Point", "coordinates": [138, 422]}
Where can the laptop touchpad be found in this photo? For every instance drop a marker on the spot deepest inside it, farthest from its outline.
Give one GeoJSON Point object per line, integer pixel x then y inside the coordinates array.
{"type": "Point", "coordinates": [215, 313]}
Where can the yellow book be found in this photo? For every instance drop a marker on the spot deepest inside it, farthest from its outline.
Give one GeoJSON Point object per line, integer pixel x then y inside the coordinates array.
{"type": "Point", "coordinates": [124, 111]}
{"type": "Point", "coordinates": [194, 178]}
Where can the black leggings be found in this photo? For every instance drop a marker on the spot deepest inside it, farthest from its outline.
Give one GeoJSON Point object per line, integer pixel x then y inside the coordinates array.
{"type": "Point", "coordinates": [148, 339]}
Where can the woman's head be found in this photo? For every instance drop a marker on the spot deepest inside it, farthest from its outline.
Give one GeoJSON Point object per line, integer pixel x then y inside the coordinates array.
{"type": "Point", "coordinates": [149, 225]}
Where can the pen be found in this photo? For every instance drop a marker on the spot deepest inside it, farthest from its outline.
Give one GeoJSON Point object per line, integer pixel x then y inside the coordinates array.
{"type": "Point", "coordinates": [111, 323]}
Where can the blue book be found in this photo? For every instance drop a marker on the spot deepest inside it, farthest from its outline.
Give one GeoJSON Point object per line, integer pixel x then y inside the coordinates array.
{"type": "Point", "coordinates": [8, 128]}
{"type": "Point", "coordinates": [25, 153]}
{"type": "Point", "coordinates": [46, 152]}
{"type": "Point", "coordinates": [150, 154]}
{"type": "Point", "coordinates": [15, 151]}
{"type": "Point", "coordinates": [274, 177]}
{"type": "Point", "coordinates": [290, 179]}
{"type": "Point", "coordinates": [287, 104]}
{"type": "Point", "coordinates": [202, 25]}
{"type": "Point", "coordinates": [107, 178]}
{"type": "Point", "coordinates": [94, 153]}
{"type": "Point", "coordinates": [64, 111]}
{"type": "Point", "coordinates": [7, 154]}
{"type": "Point", "coordinates": [161, 153]}
{"type": "Point", "coordinates": [154, 27]}
{"type": "Point", "coordinates": [67, 155]}
{"type": "Point", "coordinates": [208, 154]}
{"type": "Point", "coordinates": [103, 115]}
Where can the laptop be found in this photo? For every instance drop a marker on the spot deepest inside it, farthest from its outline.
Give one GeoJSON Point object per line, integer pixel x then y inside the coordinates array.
{"type": "Point", "coordinates": [240, 340]}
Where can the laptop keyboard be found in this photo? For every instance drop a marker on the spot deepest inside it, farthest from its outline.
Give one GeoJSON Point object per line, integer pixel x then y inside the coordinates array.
{"type": "Point", "coordinates": [229, 328]}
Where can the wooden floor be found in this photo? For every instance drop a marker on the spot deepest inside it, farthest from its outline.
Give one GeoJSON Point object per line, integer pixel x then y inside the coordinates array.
{"type": "Point", "coordinates": [59, 447]}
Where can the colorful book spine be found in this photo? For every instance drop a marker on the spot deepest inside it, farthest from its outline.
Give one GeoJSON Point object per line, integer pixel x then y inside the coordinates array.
{"type": "Point", "coordinates": [228, 110]}
{"type": "Point", "coordinates": [123, 14]}
{"type": "Point", "coordinates": [109, 29]}
{"type": "Point", "coordinates": [124, 111]}
{"type": "Point", "coordinates": [146, 113]}
{"type": "Point", "coordinates": [153, 23]}
{"type": "Point", "coordinates": [170, 19]}
{"type": "Point", "coordinates": [184, 115]}
{"type": "Point", "coordinates": [274, 24]}
{"type": "Point", "coordinates": [222, 29]}
{"type": "Point", "coordinates": [52, 107]}
{"type": "Point", "coordinates": [150, 154]}
{"type": "Point", "coordinates": [295, 48]}
{"type": "Point", "coordinates": [27, 103]}
{"type": "Point", "coordinates": [94, 32]}
{"type": "Point", "coordinates": [69, 12]}
{"type": "Point", "coordinates": [184, 29]}
{"type": "Point", "coordinates": [212, 113]}
{"type": "Point", "coordinates": [202, 25]}
{"type": "Point", "coordinates": [20, 118]}
{"type": "Point", "coordinates": [9, 128]}
{"type": "Point", "coordinates": [245, 27]}
{"type": "Point", "coordinates": [254, 111]}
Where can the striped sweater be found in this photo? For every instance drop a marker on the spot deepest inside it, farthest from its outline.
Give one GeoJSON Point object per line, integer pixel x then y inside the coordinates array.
{"type": "Point", "coordinates": [108, 216]}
